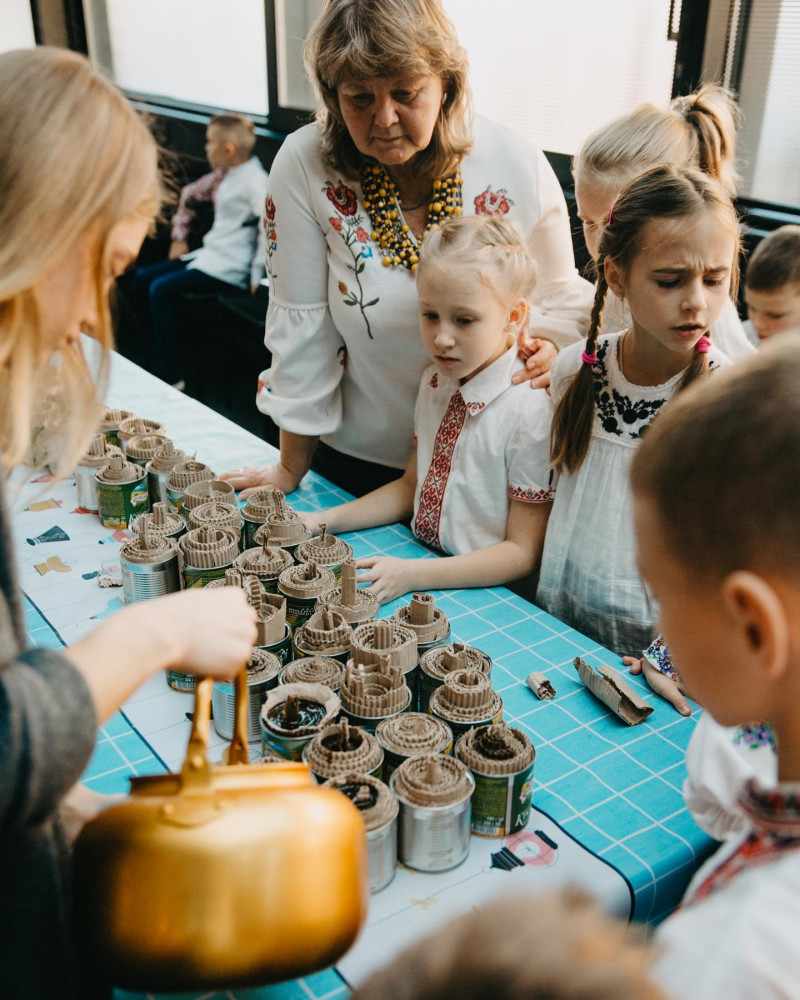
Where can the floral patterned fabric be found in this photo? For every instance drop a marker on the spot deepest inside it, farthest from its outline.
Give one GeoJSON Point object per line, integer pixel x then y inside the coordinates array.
{"type": "Point", "coordinates": [330, 291]}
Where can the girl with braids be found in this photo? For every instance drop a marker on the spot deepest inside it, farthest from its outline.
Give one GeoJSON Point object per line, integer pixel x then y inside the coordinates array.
{"type": "Point", "coordinates": [477, 485]}
{"type": "Point", "coordinates": [698, 130]}
{"type": "Point", "coordinates": [670, 249]}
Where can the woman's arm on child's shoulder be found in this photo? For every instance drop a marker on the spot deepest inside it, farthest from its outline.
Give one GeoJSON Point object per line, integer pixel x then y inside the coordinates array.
{"type": "Point", "coordinates": [386, 505]}
{"type": "Point", "coordinates": [516, 556]}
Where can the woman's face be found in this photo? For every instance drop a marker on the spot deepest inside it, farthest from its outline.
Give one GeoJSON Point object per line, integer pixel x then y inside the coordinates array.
{"type": "Point", "coordinates": [391, 119]}
{"type": "Point", "coordinates": [66, 296]}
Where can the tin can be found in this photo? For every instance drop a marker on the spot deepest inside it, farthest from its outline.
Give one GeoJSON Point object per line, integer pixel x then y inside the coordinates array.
{"type": "Point", "coordinates": [207, 554]}
{"type": "Point", "coordinates": [301, 586]}
{"type": "Point", "coordinates": [96, 457]}
{"type": "Point", "coordinates": [262, 677]}
{"type": "Point", "coordinates": [180, 681]}
{"type": "Point", "coordinates": [150, 568]}
{"type": "Point", "coordinates": [429, 623]}
{"type": "Point", "coordinates": [314, 670]}
{"type": "Point", "coordinates": [159, 469]}
{"type": "Point", "coordinates": [141, 448]}
{"type": "Point", "coordinates": [266, 562]}
{"type": "Point", "coordinates": [326, 633]}
{"type": "Point", "coordinates": [122, 493]}
{"type": "Point", "coordinates": [434, 794]}
{"type": "Point", "coordinates": [379, 809]}
{"type": "Point", "coordinates": [343, 749]}
{"type": "Point", "coordinates": [409, 735]}
{"type": "Point", "coordinates": [442, 660]}
{"type": "Point", "coordinates": [465, 701]}
{"type": "Point", "coordinates": [109, 425]}
{"type": "Point", "coordinates": [317, 707]}
{"type": "Point", "coordinates": [283, 648]}
{"type": "Point", "coordinates": [501, 804]}
{"type": "Point", "coordinates": [326, 550]}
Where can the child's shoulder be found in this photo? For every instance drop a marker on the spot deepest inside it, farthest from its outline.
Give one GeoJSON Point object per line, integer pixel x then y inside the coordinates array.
{"type": "Point", "coordinates": [569, 360]}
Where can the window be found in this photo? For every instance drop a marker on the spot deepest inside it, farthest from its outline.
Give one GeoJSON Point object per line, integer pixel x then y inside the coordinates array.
{"type": "Point", "coordinates": [207, 52]}
{"type": "Point", "coordinates": [17, 27]}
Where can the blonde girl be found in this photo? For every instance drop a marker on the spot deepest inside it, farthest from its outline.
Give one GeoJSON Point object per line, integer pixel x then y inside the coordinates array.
{"type": "Point", "coordinates": [670, 248]}
{"type": "Point", "coordinates": [80, 188]}
{"type": "Point", "coordinates": [477, 484]}
{"type": "Point", "coordinates": [698, 130]}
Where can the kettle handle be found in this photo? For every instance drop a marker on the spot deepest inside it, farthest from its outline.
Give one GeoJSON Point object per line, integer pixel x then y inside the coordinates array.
{"type": "Point", "coordinates": [196, 770]}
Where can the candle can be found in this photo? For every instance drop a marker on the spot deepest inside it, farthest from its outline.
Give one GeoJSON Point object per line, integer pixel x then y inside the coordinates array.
{"type": "Point", "coordinates": [355, 604]}
{"type": "Point", "coordinates": [440, 661]}
{"type": "Point", "coordinates": [98, 455]}
{"type": "Point", "coordinates": [141, 448]}
{"type": "Point", "coordinates": [159, 469]}
{"type": "Point", "coordinates": [133, 427]}
{"type": "Point", "coordinates": [466, 700]}
{"type": "Point", "coordinates": [122, 492]}
{"type": "Point", "coordinates": [150, 566]}
{"type": "Point", "coordinates": [315, 670]}
{"type": "Point", "coordinates": [262, 676]}
{"type": "Point", "coordinates": [161, 522]}
{"type": "Point", "coordinates": [109, 425]}
{"type": "Point", "coordinates": [379, 809]}
{"type": "Point", "coordinates": [293, 714]}
{"type": "Point", "coordinates": [326, 550]}
{"type": "Point", "coordinates": [207, 554]}
{"type": "Point", "coordinates": [184, 475]}
{"type": "Point", "coordinates": [501, 761]}
{"type": "Point", "coordinates": [267, 562]}
{"type": "Point", "coordinates": [374, 641]}
{"type": "Point", "coordinates": [258, 507]}
{"type": "Point", "coordinates": [373, 692]}
{"type": "Point", "coordinates": [325, 633]}
{"type": "Point", "coordinates": [301, 585]}
{"type": "Point", "coordinates": [409, 735]}
{"type": "Point", "coordinates": [429, 623]}
{"type": "Point", "coordinates": [341, 749]}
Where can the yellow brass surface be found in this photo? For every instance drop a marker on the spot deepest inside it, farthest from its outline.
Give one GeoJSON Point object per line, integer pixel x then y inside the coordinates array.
{"type": "Point", "coordinates": [220, 876]}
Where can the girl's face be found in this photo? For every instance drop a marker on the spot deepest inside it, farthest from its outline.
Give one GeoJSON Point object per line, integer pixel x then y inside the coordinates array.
{"type": "Point", "coordinates": [66, 294]}
{"type": "Point", "coordinates": [391, 119]}
{"type": "Point", "coordinates": [594, 201]}
{"type": "Point", "coordinates": [464, 325]}
{"type": "Point", "coordinates": [677, 284]}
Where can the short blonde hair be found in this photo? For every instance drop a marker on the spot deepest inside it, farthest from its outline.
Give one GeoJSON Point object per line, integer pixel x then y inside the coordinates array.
{"type": "Point", "coordinates": [694, 131]}
{"type": "Point", "coordinates": [775, 261]}
{"type": "Point", "coordinates": [75, 160]}
{"type": "Point", "coordinates": [362, 39]}
{"type": "Point", "coordinates": [491, 246]}
{"type": "Point", "coordinates": [555, 946]}
{"type": "Point", "coordinates": [237, 129]}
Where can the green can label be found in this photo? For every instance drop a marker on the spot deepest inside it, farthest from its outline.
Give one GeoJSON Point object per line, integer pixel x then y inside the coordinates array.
{"type": "Point", "coordinates": [180, 681]}
{"type": "Point", "coordinates": [298, 611]}
{"type": "Point", "coordinates": [119, 502]}
{"type": "Point", "coordinates": [193, 577]}
{"type": "Point", "coordinates": [501, 804]}
{"type": "Point", "coordinates": [282, 649]}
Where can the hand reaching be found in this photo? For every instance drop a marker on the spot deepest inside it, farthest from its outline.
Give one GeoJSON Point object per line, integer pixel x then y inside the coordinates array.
{"type": "Point", "coordinates": [538, 355]}
{"type": "Point", "coordinates": [388, 576]}
{"type": "Point", "coordinates": [664, 686]}
{"type": "Point", "coordinates": [248, 480]}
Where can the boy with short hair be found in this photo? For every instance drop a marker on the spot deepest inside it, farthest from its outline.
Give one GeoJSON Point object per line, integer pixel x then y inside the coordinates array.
{"type": "Point", "coordinates": [231, 258]}
{"type": "Point", "coordinates": [772, 285]}
{"type": "Point", "coordinates": [715, 485]}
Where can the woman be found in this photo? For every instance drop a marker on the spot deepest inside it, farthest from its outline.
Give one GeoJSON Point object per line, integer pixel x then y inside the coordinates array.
{"type": "Point", "coordinates": [393, 152]}
{"type": "Point", "coordinates": [80, 188]}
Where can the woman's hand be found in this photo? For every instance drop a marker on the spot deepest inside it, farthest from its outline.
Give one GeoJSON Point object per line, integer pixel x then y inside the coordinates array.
{"type": "Point", "coordinates": [248, 480]}
{"type": "Point", "coordinates": [538, 355]}
{"type": "Point", "coordinates": [388, 577]}
{"type": "Point", "coordinates": [664, 686]}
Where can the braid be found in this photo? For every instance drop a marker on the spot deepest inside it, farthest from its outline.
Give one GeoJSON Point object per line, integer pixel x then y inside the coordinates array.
{"type": "Point", "coordinates": [698, 368]}
{"type": "Point", "coordinates": [572, 422]}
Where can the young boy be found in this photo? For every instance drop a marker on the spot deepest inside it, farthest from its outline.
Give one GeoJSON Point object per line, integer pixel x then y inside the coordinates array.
{"type": "Point", "coordinates": [231, 258]}
{"type": "Point", "coordinates": [772, 285]}
{"type": "Point", "coordinates": [715, 484]}
{"type": "Point", "coordinates": [478, 480]}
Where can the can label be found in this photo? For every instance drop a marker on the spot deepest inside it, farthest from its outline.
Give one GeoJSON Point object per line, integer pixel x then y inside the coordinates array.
{"type": "Point", "coordinates": [459, 728]}
{"type": "Point", "coordinates": [193, 577]}
{"type": "Point", "coordinates": [427, 685]}
{"type": "Point", "coordinates": [175, 500]}
{"type": "Point", "coordinates": [289, 749]}
{"type": "Point", "coordinates": [180, 681]}
{"type": "Point", "coordinates": [121, 501]}
{"type": "Point", "coordinates": [282, 649]}
{"type": "Point", "coordinates": [249, 529]}
{"type": "Point", "coordinates": [112, 436]}
{"type": "Point", "coordinates": [501, 804]}
{"type": "Point", "coordinates": [299, 610]}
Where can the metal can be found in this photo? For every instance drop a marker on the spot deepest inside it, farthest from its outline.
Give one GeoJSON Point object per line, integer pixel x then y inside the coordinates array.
{"type": "Point", "coordinates": [466, 700]}
{"type": "Point", "coordinates": [501, 760]}
{"type": "Point", "coordinates": [326, 550]}
{"type": "Point", "coordinates": [442, 660]}
{"type": "Point", "coordinates": [301, 585]}
{"type": "Point", "coordinates": [122, 492]}
{"type": "Point", "coordinates": [341, 749]}
{"type": "Point", "coordinates": [378, 807]}
{"type": "Point", "coordinates": [98, 455]}
{"type": "Point", "coordinates": [262, 676]}
{"type": "Point", "coordinates": [286, 733]}
{"type": "Point", "coordinates": [159, 469]}
{"type": "Point", "coordinates": [207, 554]}
{"type": "Point", "coordinates": [409, 735]}
{"type": "Point", "coordinates": [150, 567]}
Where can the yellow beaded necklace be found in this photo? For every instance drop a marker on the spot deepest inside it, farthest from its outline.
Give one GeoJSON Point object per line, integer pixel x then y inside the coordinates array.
{"type": "Point", "coordinates": [382, 203]}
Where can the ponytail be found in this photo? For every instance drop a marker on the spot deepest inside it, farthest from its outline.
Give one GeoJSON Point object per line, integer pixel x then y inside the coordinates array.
{"type": "Point", "coordinates": [571, 429]}
{"type": "Point", "coordinates": [713, 118]}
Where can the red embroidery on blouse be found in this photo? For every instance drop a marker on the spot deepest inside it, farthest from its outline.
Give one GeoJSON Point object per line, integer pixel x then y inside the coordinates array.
{"type": "Point", "coordinates": [431, 496]}
{"type": "Point", "coordinates": [475, 407]}
{"type": "Point", "coordinates": [531, 496]}
{"type": "Point", "coordinates": [491, 202]}
{"type": "Point", "coordinates": [434, 382]}
{"type": "Point", "coordinates": [759, 849]}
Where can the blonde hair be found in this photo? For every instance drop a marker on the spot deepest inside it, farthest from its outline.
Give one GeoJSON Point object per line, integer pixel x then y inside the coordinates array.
{"type": "Point", "coordinates": [549, 947]}
{"type": "Point", "coordinates": [362, 39]}
{"type": "Point", "coordinates": [694, 131]}
{"type": "Point", "coordinates": [490, 245]}
{"type": "Point", "coordinates": [775, 261]}
{"type": "Point", "coordinates": [700, 459]}
{"type": "Point", "coordinates": [237, 129]}
{"type": "Point", "coordinates": [664, 192]}
{"type": "Point", "coordinates": [75, 160]}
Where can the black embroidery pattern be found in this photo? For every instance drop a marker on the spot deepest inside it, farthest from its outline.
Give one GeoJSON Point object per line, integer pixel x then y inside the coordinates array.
{"type": "Point", "coordinates": [619, 414]}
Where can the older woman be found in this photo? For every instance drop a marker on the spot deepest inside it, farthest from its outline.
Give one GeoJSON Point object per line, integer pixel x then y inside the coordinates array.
{"type": "Point", "coordinates": [72, 152]}
{"type": "Point", "coordinates": [393, 152]}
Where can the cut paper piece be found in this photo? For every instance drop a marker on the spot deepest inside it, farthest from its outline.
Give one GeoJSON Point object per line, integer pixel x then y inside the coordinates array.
{"type": "Point", "coordinates": [83, 510]}
{"type": "Point", "coordinates": [52, 565]}
{"type": "Point", "coordinates": [54, 534]}
{"type": "Point", "coordinates": [607, 686]}
{"type": "Point", "coordinates": [44, 504]}
{"type": "Point", "coordinates": [533, 848]}
{"type": "Point", "coordinates": [540, 686]}
{"type": "Point", "coordinates": [109, 581]}
{"type": "Point", "coordinates": [90, 576]}
{"type": "Point", "coordinates": [46, 478]}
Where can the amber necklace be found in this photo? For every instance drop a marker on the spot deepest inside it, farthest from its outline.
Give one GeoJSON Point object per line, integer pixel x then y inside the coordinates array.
{"type": "Point", "coordinates": [384, 207]}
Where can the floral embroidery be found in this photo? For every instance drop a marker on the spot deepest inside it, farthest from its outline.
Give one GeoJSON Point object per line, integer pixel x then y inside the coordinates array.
{"type": "Point", "coordinates": [431, 495]}
{"type": "Point", "coordinates": [529, 495]}
{"type": "Point", "coordinates": [271, 232]}
{"type": "Point", "coordinates": [475, 407]}
{"type": "Point", "coordinates": [262, 387]}
{"type": "Point", "coordinates": [618, 413]}
{"type": "Point", "coordinates": [491, 202]}
{"type": "Point", "coordinates": [657, 654]}
{"type": "Point", "coordinates": [434, 382]}
{"type": "Point", "coordinates": [349, 224]}
{"type": "Point", "coordinates": [755, 735]}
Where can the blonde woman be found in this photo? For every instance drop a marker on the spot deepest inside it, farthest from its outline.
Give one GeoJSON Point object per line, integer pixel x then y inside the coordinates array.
{"type": "Point", "coordinates": [80, 188]}
{"type": "Point", "coordinates": [394, 151]}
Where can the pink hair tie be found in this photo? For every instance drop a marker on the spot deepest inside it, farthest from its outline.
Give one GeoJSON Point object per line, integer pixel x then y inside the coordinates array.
{"type": "Point", "coordinates": [611, 210]}
{"type": "Point", "coordinates": [589, 359]}
{"type": "Point", "coordinates": [703, 345]}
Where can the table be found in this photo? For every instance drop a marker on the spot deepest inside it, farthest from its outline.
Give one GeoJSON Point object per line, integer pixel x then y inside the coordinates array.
{"type": "Point", "coordinates": [615, 790]}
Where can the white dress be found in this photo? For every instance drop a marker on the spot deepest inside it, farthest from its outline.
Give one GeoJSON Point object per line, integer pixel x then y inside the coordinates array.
{"type": "Point", "coordinates": [343, 329]}
{"type": "Point", "coordinates": [589, 577]}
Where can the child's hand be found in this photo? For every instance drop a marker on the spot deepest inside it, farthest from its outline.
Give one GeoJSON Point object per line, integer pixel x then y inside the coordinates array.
{"type": "Point", "coordinates": [248, 480]}
{"type": "Point", "coordinates": [665, 687]}
{"type": "Point", "coordinates": [538, 355]}
{"type": "Point", "coordinates": [388, 576]}
{"type": "Point", "coordinates": [312, 519]}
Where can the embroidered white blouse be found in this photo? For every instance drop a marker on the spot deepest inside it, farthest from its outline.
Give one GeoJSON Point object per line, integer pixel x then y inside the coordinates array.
{"type": "Point", "coordinates": [344, 330]}
{"type": "Point", "coordinates": [476, 450]}
{"type": "Point", "coordinates": [589, 577]}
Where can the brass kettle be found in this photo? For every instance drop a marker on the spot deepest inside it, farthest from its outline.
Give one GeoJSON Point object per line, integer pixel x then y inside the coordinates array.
{"type": "Point", "coordinates": [220, 876]}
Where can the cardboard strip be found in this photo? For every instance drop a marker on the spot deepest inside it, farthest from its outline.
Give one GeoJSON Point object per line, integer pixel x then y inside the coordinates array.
{"type": "Point", "coordinates": [607, 686]}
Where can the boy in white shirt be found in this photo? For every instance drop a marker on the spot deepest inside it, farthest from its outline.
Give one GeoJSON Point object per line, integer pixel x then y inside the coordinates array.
{"type": "Point", "coordinates": [477, 485]}
{"type": "Point", "coordinates": [715, 483]}
{"type": "Point", "coordinates": [231, 258]}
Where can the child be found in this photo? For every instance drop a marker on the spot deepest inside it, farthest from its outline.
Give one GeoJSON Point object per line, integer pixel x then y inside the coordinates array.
{"type": "Point", "coordinates": [556, 946]}
{"type": "Point", "coordinates": [698, 131]}
{"type": "Point", "coordinates": [231, 258]}
{"type": "Point", "coordinates": [670, 248]}
{"type": "Point", "coordinates": [723, 565]}
{"type": "Point", "coordinates": [477, 482]}
{"type": "Point", "coordinates": [772, 284]}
